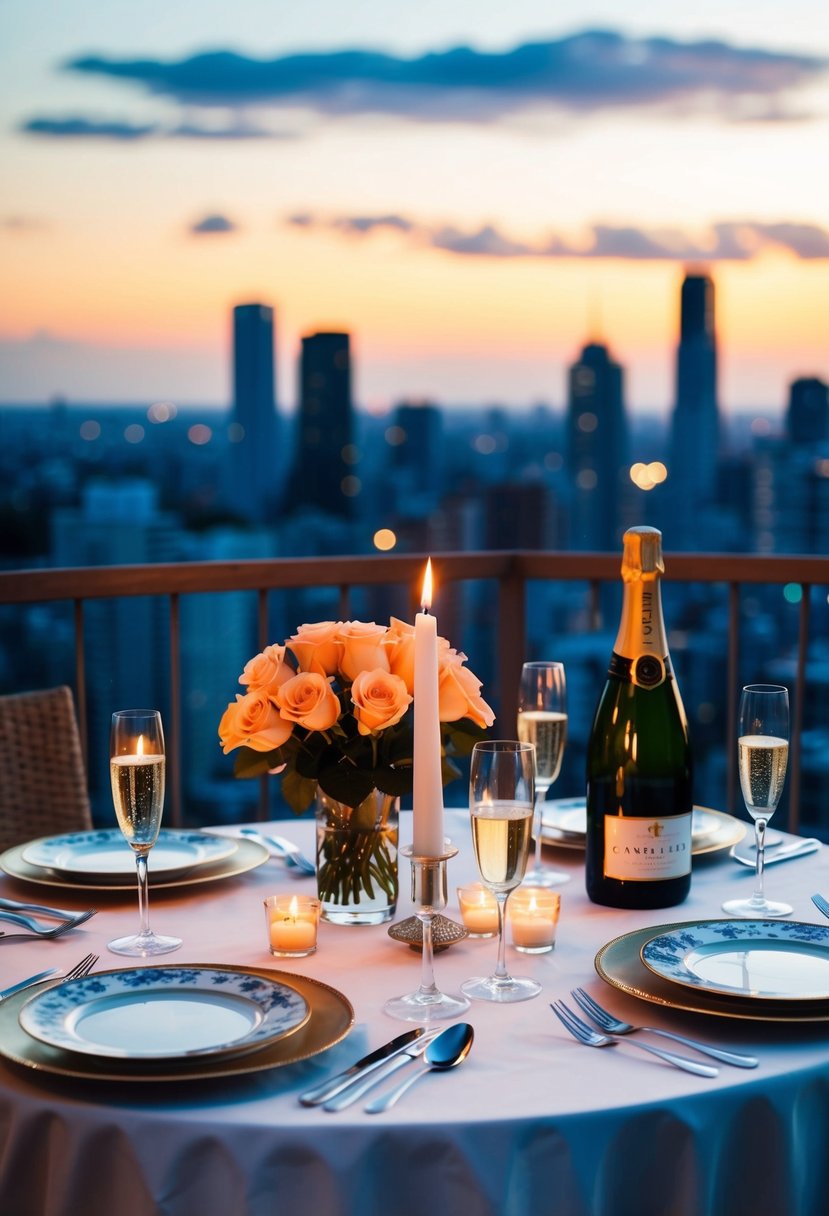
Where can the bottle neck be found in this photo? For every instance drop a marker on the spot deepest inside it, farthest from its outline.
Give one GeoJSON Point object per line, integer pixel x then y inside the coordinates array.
{"type": "Point", "coordinates": [641, 639]}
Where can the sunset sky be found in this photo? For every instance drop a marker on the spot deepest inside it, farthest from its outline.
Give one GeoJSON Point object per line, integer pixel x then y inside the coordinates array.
{"type": "Point", "coordinates": [472, 189]}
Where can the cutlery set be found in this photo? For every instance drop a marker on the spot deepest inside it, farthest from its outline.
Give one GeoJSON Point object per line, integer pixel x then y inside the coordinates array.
{"type": "Point", "coordinates": [441, 1048]}
{"type": "Point", "coordinates": [80, 969]}
{"type": "Point", "coordinates": [26, 916]}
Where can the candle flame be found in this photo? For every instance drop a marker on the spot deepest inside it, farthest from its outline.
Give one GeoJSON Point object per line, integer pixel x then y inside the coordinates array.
{"type": "Point", "coordinates": [140, 748]}
{"type": "Point", "coordinates": [293, 907]}
{"type": "Point", "coordinates": [426, 597]}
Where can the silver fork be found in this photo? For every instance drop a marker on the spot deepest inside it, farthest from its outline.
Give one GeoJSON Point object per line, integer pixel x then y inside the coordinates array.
{"type": "Point", "coordinates": [821, 904]}
{"type": "Point", "coordinates": [591, 1038]}
{"type": "Point", "coordinates": [80, 969]}
{"type": "Point", "coordinates": [607, 1022]}
{"type": "Point", "coordinates": [28, 922]}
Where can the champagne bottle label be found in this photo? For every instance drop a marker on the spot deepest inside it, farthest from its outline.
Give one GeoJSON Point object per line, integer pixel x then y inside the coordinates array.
{"type": "Point", "coordinates": [647, 850]}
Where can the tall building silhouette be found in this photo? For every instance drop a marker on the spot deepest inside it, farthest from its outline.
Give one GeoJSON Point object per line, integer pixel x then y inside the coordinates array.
{"type": "Point", "coordinates": [807, 418]}
{"type": "Point", "coordinates": [695, 434]}
{"type": "Point", "coordinates": [597, 449]}
{"type": "Point", "coordinates": [417, 457]}
{"type": "Point", "coordinates": [325, 474]}
{"type": "Point", "coordinates": [255, 464]}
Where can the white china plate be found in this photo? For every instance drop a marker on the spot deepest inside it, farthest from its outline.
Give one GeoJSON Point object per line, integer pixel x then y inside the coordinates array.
{"type": "Point", "coordinates": [564, 822]}
{"type": "Point", "coordinates": [146, 1013]}
{"type": "Point", "coordinates": [758, 959]}
{"type": "Point", "coordinates": [106, 854]}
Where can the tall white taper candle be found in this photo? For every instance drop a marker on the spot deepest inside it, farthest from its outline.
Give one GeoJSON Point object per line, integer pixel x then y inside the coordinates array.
{"type": "Point", "coordinates": [428, 788]}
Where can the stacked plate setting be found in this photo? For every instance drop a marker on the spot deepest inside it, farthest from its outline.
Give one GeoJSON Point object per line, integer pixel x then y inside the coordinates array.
{"type": "Point", "coordinates": [763, 970]}
{"type": "Point", "coordinates": [101, 859]}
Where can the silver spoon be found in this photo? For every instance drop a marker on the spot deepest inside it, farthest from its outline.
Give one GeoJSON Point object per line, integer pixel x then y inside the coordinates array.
{"type": "Point", "coordinates": [448, 1049]}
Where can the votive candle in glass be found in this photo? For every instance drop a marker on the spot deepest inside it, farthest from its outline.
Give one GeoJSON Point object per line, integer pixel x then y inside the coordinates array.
{"type": "Point", "coordinates": [479, 911]}
{"type": "Point", "coordinates": [291, 922]}
{"type": "Point", "coordinates": [533, 917]}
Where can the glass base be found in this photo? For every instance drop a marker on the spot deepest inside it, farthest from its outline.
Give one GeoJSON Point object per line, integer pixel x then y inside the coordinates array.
{"type": "Point", "coordinates": [503, 990]}
{"type": "Point", "coordinates": [545, 877]}
{"type": "Point", "coordinates": [143, 945]}
{"type": "Point", "coordinates": [756, 909]}
{"type": "Point", "coordinates": [425, 1006]}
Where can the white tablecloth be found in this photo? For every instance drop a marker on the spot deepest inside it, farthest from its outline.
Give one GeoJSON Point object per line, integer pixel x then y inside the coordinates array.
{"type": "Point", "coordinates": [532, 1123]}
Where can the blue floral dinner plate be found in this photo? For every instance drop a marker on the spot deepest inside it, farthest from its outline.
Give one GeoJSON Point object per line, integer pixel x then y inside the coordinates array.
{"type": "Point", "coordinates": [762, 960]}
{"type": "Point", "coordinates": [106, 856]}
{"type": "Point", "coordinates": [164, 1013]}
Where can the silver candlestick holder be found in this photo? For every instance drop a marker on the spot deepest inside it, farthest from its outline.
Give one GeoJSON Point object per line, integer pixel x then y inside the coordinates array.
{"type": "Point", "coordinates": [429, 889]}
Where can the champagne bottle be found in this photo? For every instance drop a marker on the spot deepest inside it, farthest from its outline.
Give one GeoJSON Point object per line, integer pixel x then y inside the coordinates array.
{"type": "Point", "coordinates": [639, 799]}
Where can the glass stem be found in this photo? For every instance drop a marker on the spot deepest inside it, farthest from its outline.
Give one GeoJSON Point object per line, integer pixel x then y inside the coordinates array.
{"type": "Point", "coordinates": [759, 860]}
{"type": "Point", "coordinates": [501, 972]}
{"type": "Point", "coordinates": [427, 970]}
{"type": "Point", "coordinates": [143, 896]}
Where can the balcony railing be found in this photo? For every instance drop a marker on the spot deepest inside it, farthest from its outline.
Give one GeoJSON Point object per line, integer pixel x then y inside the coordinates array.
{"type": "Point", "coordinates": [511, 571]}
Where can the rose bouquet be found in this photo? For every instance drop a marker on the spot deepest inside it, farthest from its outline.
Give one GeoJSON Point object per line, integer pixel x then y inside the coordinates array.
{"type": "Point", "coordinates": [332, 710]}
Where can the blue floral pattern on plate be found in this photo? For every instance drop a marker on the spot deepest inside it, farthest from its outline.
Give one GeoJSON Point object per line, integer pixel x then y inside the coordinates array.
{"type": "Point", "coordinates": [105, 853]}
{"type": "Point", "coordinates": [758, 959]}
{"type": "Point", "coordinates": [157, 1013]}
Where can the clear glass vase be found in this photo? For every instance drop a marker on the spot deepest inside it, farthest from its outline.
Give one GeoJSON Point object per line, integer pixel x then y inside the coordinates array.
{"type": "Point", "coordinates": [357, 859]}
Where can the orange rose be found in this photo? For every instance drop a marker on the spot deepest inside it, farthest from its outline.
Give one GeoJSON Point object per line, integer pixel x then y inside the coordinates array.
{"type": "Point", "coordinates": [266, 670]}
{"type": "Point", "coordinates": [380, 699]}
{"type": "Point", "coordinates": [363, 648]}
{"type": "Point", "coordinates": [400, 647]}
{"type": "Point", "coordinates": [309, 700]}
{"type": "Point", "coordinates": [253, 721]}
{"type": "Point", "coordinates": [459, 692]}
{"type": "Point", "coordinates": [316, 647]}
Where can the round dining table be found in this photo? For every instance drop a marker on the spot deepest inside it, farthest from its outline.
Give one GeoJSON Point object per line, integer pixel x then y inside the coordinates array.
{"type": "Point", "coordinates": [532, 1123]}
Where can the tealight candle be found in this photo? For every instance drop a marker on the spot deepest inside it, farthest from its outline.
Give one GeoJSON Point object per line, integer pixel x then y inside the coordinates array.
{"type": "Point", "coordinates": [479, 911]}
{"type": "Point", "coordinates": [291, 922]}
{"type": "Point", "coordinates": [533, 917]}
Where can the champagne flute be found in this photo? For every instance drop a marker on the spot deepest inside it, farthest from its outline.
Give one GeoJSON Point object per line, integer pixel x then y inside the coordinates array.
{"type": "Point", "coordinates": [501, 800]}
{"type": "Point", "coordinates": [137, 771]}
{"type": "Point", "coordinates": [763, 743]}
{"type": "Point", "coordinates": [542, 721]}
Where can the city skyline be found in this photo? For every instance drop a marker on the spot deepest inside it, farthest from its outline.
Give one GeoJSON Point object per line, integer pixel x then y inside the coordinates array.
{"type": "Point", "coordinates": [470, 193]}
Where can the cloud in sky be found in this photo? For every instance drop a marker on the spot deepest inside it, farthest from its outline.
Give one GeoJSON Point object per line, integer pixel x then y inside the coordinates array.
{"type": "Point", "coordinates": [213, 225]}
{"type": "Point", "coordinates": [581, 73]}
{"type": "Point", "coordinates": [730, 240]}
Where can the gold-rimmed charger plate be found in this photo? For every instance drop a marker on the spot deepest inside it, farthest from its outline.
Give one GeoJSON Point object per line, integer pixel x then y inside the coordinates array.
{"type": "Point", "coordinates": [247, 856]}
{"type": "Point", "coordinates": [619, 964]}
{"type": "Point", "coordinates": [330, 1020]}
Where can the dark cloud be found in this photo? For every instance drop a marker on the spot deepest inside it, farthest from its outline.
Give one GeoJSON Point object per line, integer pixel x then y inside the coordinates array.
{"type": "Point", "coordinates": [587, 71]}
{"type": "Point", "coordinates": [213, 225]}
{"type": "Point", "coordinates": [361, 224]}
{"type": "Point", "coordinates": [727, 241]}
{"type": "Point", "coordinates": [76, 127]}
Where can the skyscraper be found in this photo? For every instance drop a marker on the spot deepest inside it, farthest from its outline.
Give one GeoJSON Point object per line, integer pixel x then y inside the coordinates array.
{"type": "Point", "coordinates": [597, 449]}
{"type": "Point", "coordinates": [255, 432]}
{"type": "Point", "coordinates": [695, 435]}
{"type": "Point", "coordinates": [325, 474]}
{"type": "Point", "coordinates": [807, 420]}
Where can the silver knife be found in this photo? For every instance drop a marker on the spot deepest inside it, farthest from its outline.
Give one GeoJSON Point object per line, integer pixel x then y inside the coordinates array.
{"type": "Point", "coordinates": [787, 852]}
{"type": "Point", "coordinates": [376, 1075]}
{"type": "Point", "coordinates": [320, 1093]}
{"type": "Point", "coordinates": [33, 979]}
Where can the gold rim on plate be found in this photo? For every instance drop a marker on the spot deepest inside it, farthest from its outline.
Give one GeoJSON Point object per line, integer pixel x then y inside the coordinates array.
{"type": "Point", "coordinates": [330, 1020]}
{"type": "Point", "coordinates": [619, 964]}
{"type": "Point", "coordinates": [248, 856]}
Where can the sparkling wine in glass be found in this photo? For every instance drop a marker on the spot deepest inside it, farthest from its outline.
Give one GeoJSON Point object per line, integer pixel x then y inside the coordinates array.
{"type": "Point", "coordinates": [542, 721]}
{"type": "Point", "coordinates": [137, 769]}
{"type": "Point", "coordinates": [763, 753]}
{"type": "Point", "coordinates": [501, 801]}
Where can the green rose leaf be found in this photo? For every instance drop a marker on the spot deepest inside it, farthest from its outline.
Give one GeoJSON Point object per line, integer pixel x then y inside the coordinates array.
{"type": "Point", "coordinates": [299, 792]}
{"type": "Point", "coordinates": [346, 784]}
{"type": "Point", "coordinates": [249, 763]}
